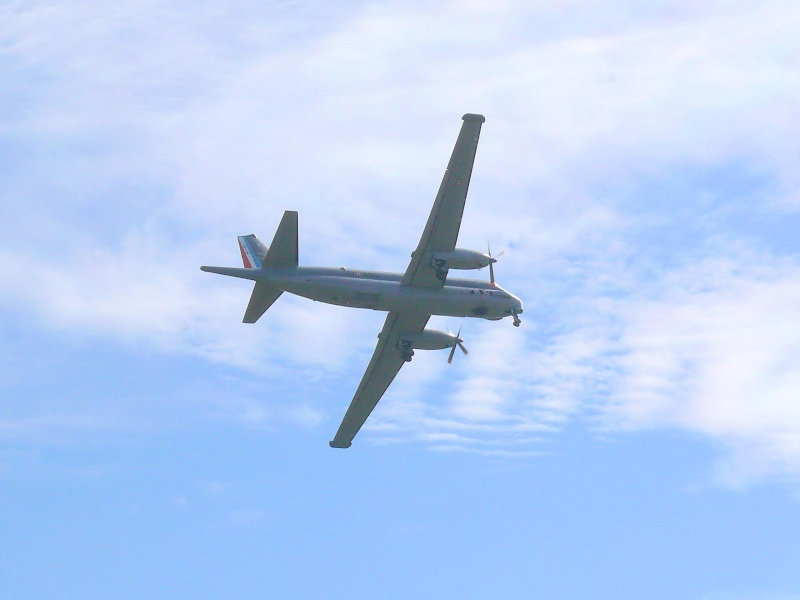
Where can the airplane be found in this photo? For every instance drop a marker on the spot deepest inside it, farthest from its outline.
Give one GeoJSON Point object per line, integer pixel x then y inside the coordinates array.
{"type": "Point", "coordinates": [410, 298]}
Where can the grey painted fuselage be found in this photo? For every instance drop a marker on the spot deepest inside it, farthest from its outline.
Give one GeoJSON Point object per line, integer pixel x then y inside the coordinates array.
{"type": "Point", "coordinates": [382, 291]}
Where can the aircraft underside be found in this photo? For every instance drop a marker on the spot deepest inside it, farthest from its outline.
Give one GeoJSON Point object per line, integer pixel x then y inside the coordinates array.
{"type": "Point", "coordinates": [391, 295]}
{"type": "Point", "coordinates": [410, 298]}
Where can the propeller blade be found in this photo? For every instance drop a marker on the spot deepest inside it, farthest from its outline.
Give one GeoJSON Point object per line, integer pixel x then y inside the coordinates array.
{"type": "Point", "coordinates": [489, 248]}
{"type": "Point", "coordinates": [464, 350]}
{"type": "Point", "coordinates": [450, 358]}
{"type": "Point", "coordinates": [494, 260]}
{"type": "Point", "coordinates": [453, 349]}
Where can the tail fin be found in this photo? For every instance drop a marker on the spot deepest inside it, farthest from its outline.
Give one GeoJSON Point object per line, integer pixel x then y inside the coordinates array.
{"type": "Point", "coordinates": [282, 252]}
{"type": "Point", "coordinates": [253, 251]}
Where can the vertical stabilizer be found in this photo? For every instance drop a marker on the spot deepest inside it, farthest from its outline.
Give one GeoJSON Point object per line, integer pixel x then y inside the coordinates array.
{"type": "Point", "coordinates": [253, 251]}
{"type": "Point", "coordinates": [282, 253]}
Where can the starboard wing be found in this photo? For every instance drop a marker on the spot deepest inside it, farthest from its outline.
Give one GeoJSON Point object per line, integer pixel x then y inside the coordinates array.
{"type": "Point", "coordinates": [441, 231]}
{"type": "Point", "coordinates": [384, 366]}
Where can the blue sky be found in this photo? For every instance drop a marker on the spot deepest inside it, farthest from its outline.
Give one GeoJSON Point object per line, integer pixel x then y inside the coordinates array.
{"type": "Point", "coordinates": [638, 436]}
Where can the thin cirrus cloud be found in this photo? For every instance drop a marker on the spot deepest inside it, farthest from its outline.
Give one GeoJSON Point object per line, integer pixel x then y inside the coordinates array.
{"type": "Point", "coordinates": [717, 354]}
{"type": "Point", "coordinates": [151, 139]}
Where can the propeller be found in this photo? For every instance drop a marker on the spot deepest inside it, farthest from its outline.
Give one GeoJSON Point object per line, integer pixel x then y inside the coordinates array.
{"type": "Point", "coordinates": [494, 260]}
{"type": "Point", "coordinates": [457, 343]}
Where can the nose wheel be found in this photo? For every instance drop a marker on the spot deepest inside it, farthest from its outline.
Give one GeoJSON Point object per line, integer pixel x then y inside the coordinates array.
{"type": "Point", "coordinates": [516, 319]}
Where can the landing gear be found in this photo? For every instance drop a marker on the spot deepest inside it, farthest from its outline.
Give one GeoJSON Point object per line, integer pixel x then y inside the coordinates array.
{"type": "Point", "coordinates": [406, 350]}
{"type": "Point", "coordinates": [516, 319]}
{"type": "Point", "coordinates": [441, 268]}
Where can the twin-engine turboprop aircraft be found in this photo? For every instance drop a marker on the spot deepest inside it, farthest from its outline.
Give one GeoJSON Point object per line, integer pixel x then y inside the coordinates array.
{"type": "Point", "coordinates": [410, 298]}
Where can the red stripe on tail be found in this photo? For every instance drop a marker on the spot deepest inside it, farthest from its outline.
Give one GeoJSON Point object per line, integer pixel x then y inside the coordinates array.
{"type": "Point", "coordinates": [245, 260]}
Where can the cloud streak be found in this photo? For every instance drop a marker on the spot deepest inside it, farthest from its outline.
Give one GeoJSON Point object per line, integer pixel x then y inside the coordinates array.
{"type": "Point", "coordinates": [656, 295]}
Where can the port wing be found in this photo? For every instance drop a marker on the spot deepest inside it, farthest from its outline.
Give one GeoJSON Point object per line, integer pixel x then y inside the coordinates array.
{"type": "Point", "coordinates": [384, 366]}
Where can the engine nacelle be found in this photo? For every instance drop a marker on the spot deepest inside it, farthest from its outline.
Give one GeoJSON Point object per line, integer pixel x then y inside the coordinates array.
{"type": "Point", "coordinates": [461, 259]}
{"type": "Point", "coordinates": [430, 339]}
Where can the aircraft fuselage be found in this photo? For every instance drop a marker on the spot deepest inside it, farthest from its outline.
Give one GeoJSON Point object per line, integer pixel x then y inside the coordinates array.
{"type": "Point", "coordinates": [382, 291]}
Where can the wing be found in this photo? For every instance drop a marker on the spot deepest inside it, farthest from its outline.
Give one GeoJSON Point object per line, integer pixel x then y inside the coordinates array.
{"type": "Point", "coordinates": [441, 231]}
{"type": "Point", "coordinates": [384, 366]}
{"type": "Point", "coordinates": [440, 235]}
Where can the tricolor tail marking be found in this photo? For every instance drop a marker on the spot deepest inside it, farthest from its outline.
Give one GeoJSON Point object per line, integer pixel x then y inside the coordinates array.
{"type": "Point", "coordinates": [249, 257]}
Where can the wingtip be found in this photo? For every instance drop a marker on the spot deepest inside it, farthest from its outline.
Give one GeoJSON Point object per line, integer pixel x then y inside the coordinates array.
{"type": "Point", "coordinates": [474, 117]}
{"type": "Point", "coordinates": [334, 444]}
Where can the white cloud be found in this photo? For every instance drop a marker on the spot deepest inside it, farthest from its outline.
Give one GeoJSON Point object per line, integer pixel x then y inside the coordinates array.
{"type": "Point", "coordinates": [717, 354]}
{"type": "Point", "coordinates": [151, 134]}
{"type": "Point", "coordinates": [713, 349]}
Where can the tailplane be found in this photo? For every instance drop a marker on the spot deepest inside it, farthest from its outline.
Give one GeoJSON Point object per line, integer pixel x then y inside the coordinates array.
{"type": "Point", "coordinates": [283, 251]}
{"type": "Point", "coordinates": [263, 296]}
{"type": "Point", "coordinates": [281, 254]}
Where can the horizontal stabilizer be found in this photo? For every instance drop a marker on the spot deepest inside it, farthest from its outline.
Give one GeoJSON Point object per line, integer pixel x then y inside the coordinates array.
{"type": "Point", "coordinates": [283, 251]}
{"type": "Point", "coordinates": [233, 272]}
{"type": "Point", "coordinates": [263, 296]}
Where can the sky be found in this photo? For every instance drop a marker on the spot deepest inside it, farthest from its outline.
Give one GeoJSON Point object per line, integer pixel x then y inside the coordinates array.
{"type": "Point", "coordinates": [638, 436]}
